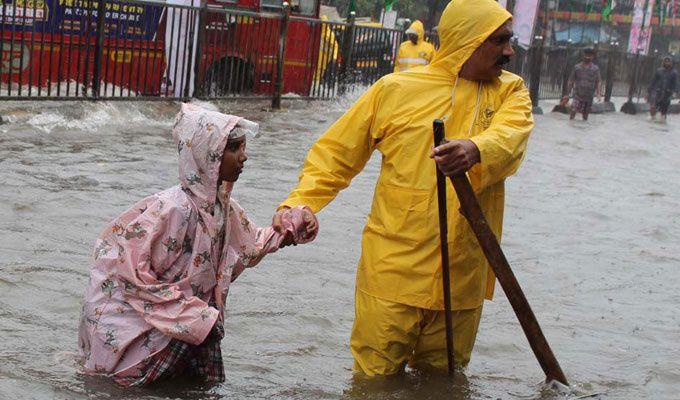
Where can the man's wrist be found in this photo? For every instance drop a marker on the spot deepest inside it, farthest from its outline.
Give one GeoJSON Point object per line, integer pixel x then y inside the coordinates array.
{"type": "Point", "coordinates": [476, 155]}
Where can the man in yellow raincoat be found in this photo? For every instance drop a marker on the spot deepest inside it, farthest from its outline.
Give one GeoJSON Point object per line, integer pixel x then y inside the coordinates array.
{"type": "Point", "coordinates": [415, 51]}
{"type": "Point", "coordinates": [328, 50]}
{"type": "Point", "coordinates": [487, 113]}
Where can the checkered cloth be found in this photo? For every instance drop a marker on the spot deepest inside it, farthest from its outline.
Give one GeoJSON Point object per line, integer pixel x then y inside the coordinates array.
{"type": "Point", "coordinates": [182, 359]}
{"type": "Point", "coordinates": [581, 104]}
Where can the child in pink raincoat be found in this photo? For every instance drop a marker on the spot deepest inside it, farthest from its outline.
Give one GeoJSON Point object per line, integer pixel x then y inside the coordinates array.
{"type": "Point", "coordinates": [154, 305]}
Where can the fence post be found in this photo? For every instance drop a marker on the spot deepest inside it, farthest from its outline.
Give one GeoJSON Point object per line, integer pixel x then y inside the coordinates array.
{"type": "Point", "coordinates": [278, 85]}
{"type": "Point", "coordinates": [347, 44]}
{"type": "Point", "coordinates": [515, 61]}
{"type": "Point", "coordinates": [566, 72]}
{"type": "Point", "coordinates": [629, 107]}
{"type": "Point", "coordinates": [536, 64]}
{"type": "Point", "coordinates": [609, 82]}
{"type": "Point", "coordinates": [199, 49]}
{"type": "Point", "coordinates": [98, 49]}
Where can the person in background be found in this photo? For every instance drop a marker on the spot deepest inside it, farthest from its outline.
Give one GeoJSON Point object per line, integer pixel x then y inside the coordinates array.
{"type": "Point", "coordinates": [328, 54]}
{"type": "Point", "coordinates": [155, 302]}
{"type": "Point", "coordinates": [660, 92]}
{"type": "Point", "coordinates": [584, 82]}
{"type": "Point", "coordinates": [415, 51]}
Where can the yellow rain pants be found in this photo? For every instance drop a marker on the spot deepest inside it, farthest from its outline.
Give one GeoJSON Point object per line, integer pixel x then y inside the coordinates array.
{"type": "Point", "coordinates": [413, 55]}
{"type": "Point", "coordinates": [416, 336]}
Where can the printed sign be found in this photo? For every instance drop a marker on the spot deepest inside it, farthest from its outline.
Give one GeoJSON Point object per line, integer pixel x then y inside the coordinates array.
{"type": "Point", "coordinates": [13, 57]}
{"type": "Point", "coordinates": [524, 17]}
{"type": "Point", "coordinates": [640, 35]}
{"type": "Point", "coordinates": [121, 20]}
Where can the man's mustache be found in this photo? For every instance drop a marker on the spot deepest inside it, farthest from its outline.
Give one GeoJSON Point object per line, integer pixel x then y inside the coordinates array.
{"type": "Point", "coordinates": [502, 60]}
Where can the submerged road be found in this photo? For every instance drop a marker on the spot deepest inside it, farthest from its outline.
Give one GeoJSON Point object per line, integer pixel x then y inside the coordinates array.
{"type": "Point", "coordinates": [592, 231]}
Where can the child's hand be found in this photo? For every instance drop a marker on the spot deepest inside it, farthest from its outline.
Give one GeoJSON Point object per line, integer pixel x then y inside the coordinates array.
{"type": "Point", "coordinates": [288, 239]}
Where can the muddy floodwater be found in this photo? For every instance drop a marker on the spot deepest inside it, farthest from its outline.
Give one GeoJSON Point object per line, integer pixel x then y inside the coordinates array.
{"type": "Point", "coordinates": [592, 230]}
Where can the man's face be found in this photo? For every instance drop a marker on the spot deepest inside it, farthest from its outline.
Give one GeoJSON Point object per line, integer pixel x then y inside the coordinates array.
{"type": "Point", "coordinates": [233, 158]}
{"type": "Point", "coordinates": [487, 61]}
{"type": "Point", "coordinates": [588, 58]}
{"type": "Point", "coordinates": [667, 63]}
{"type": "Point", "coordinates": [413, 38]}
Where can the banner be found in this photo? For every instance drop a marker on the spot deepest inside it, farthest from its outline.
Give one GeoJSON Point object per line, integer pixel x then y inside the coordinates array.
{"type": "Point", "coordinates": [121, 20]}
{"type": "Point", "coordinates": [180, 67]}
{"type": "Point", "coordinates": [523, 20]}
{"type": "Point", "coordinates": [389, 19]}
{"type": "Point", "coordinates": [640, 35]}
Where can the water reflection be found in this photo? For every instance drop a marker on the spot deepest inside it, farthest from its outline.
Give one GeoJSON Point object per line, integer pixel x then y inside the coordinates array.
{"type": "Point", "coordinates": [412, 385]}
{"type": "Point", "coordinates": [188, 388]}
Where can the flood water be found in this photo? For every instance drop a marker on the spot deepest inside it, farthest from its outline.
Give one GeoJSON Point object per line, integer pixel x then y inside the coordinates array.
{"type": "Point", "coordinates": [592, 231]}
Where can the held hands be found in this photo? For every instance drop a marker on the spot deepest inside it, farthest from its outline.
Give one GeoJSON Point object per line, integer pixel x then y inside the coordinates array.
{"type": "Point", "coordinates": [456, 156]}
{"type": "Point", "coordinates": [304, 222]}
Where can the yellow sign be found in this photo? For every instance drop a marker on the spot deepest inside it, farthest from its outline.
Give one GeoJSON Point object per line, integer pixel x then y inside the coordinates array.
{"type": "Point", "coordinates": [121, 56]}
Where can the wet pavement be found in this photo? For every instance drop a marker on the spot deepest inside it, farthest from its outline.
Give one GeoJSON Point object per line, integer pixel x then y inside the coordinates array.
{"type": "Point", "coordinates": [592, 227]}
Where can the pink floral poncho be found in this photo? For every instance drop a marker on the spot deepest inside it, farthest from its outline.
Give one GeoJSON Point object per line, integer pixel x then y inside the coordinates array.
{"type": "Point", "coordinates": [159, 266]}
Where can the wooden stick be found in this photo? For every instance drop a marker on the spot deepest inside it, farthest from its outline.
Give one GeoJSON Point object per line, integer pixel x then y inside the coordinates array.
{"type": "Point", "coordinates": [444, 243]}
{"type": "Point", "coordinates": [471, 210]}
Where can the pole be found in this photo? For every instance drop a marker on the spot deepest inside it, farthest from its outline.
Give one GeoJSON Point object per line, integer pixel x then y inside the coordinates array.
{"type": "Point", "coordinates": [536, 52]}
{"type": "Point", "coordinates": [278, 85]}
{"type": "Point", "coordinates": [98, 50]}
{"type": "Point", "coordinates": [347, 44]}
{"type": "Point", "coordinates": [566, 71]}
{"type": "Point", "coordinates": [200, 45]}
{"type": "Point", "coordinates": [629, 107]}
{"type": "Point", "coordinates": [472, 211]}
{"type": "Point", "coordinates": [609, 82]}
{"type": "Point", "coordinates": [444, 244]}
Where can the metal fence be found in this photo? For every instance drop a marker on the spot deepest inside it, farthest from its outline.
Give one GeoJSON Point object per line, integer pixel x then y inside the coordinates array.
{"type": "Point", "coordinates": [132, 49]}
{"type": "Point", "coordinates": [123, 49]}
{"type": "Point", "coordinates": [546, 70]}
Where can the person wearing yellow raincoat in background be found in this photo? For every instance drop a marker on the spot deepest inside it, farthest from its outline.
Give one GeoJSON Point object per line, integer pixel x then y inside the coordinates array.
{"type": "Point", "coordinates": [399, 302]}
{"type": "Point", "coordinates": [415, 51]}
{"type": "Point", "coordinates": [328, 50]}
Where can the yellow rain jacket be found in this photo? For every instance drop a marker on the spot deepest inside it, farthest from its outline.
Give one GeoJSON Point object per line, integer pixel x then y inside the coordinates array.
{"type": "Point", "coordinates": [413, 55]}
{"type": "Point", "coordinates": [400, 258]}
{"type": "Point", "coordinates": [328, 49]}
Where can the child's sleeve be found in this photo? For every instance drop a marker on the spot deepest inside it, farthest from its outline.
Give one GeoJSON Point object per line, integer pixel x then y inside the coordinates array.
{"type": "Point", "coordinates": [248, 244]}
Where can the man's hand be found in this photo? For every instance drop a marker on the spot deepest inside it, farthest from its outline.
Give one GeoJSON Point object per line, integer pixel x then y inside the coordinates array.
{"type": "Point", "coordinates": [456, 156]}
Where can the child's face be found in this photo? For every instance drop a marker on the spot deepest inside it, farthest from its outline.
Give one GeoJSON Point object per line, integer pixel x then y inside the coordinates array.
{"type": "Point", "coordinates": [233, 159]}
